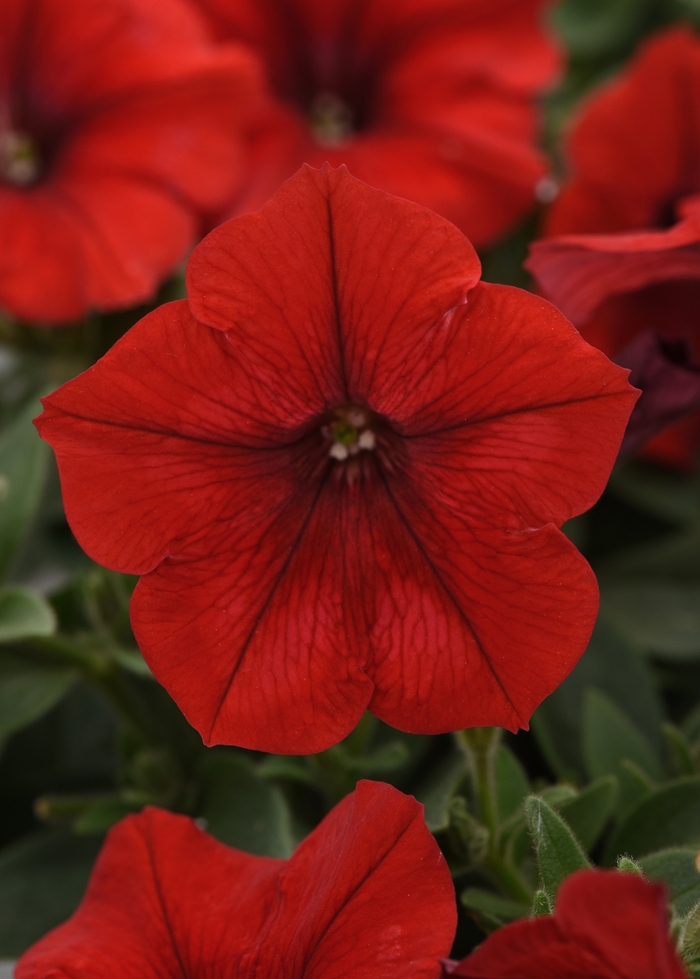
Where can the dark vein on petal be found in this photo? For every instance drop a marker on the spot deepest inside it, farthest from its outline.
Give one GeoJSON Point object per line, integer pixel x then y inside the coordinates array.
{"type": "Point", "coordinates": [360, 884]}
{"type": "Point", "coordinates": [271, 594]}
{"type": "Point", "coordinates": [506, 414]}
{"type": "Point", "coordinates": [336, 301]}
{"type": "Point", "coordinates": [161, 901]}
{"type": "Point", "coordinates": [419, 544]}
{"type": "Point", "coordinates": [182, 436]}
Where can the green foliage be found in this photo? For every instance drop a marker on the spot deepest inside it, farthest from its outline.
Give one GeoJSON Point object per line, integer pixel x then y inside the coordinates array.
{"type": "Point", "coordinates": [678, 869]}
{"type": "Point", "coordinates": [588, 812]}
{"type": "Point", "coordinates": [594, 29]}
{"type": "Point", "coordinates": [23, 469]}
{"type": "Point", "coordinates": [24, 613]}
{"type": "Point", "coordinates": [29, 689]}
{"type": "Point", "coordinates": [609, 737]}
{"type": "Point", "coordinates": [558, 851]}
{"type": "Point", "coordinates": [610, 667]}
{"type": "Point", "coordinates": [669, 816]}
{"type": "Point", "coordinates": [491, 910]}
{"type": "Point", "coordinates": [42, 879]}
{"type": "Point", "coordinates": [242, 809]}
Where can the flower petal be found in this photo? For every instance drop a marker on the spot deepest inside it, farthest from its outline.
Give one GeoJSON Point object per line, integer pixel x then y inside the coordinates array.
{"type": "Point", "coordinates": [345, 258]}
{"type": "Point", "coordinates": [579, 272]}
{"type": "Point", "coordinates": [473, 625]}
{"type": "Point", "coordinates": [163, 899]}
{"type": "Point", "coordinates": [607, 924]}
{"type": "Point", "coordinates": [366, 894]}
{"type": "Point", "coordinates": [163, 449]}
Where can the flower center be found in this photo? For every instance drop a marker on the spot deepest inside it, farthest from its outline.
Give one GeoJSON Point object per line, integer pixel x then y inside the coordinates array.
{"type": "Point", "coordinates": [19, 158]}
{"type": "Point", "coordinates": [331, 120]}
{"type": "Point", "coordinates": [350, 434]}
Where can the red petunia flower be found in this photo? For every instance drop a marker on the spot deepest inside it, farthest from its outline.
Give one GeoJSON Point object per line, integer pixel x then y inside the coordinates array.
{"type": "Point", "coordinates": [625, 251]}
{"type": "Point", "coordinates": [339, 467]}
{"type": "Point", "coordinates": [118, 128]}
{"type": "Point", "coordinates": [366, 896]}
{"type": "Point", "coordinates": [607, 925]}
{"type": "Point", "coordinates": [433, 100]}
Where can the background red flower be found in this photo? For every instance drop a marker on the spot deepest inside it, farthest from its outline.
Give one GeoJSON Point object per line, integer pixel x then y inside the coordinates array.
{"type": "Point", "coordinates": [433, 100]}
{"type": "Point", "coordinates": [624, 255]}
{"type": "Point", "coordinates": [340, 468]}
{"type": "Point", "coordinates": [118, 129]}
{"type": "Point", "coordinates": [607, 924]}
{"type": "Point", "coordinates": [367, 895]}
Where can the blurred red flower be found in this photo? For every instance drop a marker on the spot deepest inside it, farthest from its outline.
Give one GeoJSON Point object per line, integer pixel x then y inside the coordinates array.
{"type": "Point", "coordinates": [433, 100]}
{"type": "Point", "coordinates": [118, 126]}
{"type": "Point", "coordinates": [366, 895]}
{"type": "Point", "coordinates": [339, 467]}
{"type": "Point", "coordinates": [625, 256]}
{"type": "Point", "coordinates": [607, 925]}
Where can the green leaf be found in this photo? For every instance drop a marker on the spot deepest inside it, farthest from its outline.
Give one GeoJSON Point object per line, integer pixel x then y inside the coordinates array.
{"type": "Point", "coordinates": [635, 785]}
{"type": "Point", "coordinates": [437, 791]}
{"type": "Point", "coordinates": [24, 613]}
{"type": "Point", "coordinates": [588, 813]}
{"type": "Point", "coordinates": [511, 783]}
{"type": "Point", "coordinates": [29, 689]}
{"type": "Point", "coordinates": [660, 492]}
{"type": "Point", "coordinates": [667, 817]}
{"type": "Point", "coordinates": [558, 851]}
{"type": "Point", "coordinates": [599, 28]}
{"type": "Point", "coordinates": [612, 667]}
{"type": "Point", "coordinates": [242, 809]}
{"type": "Point", "coordinates": [678, 868]}
{"type": "Point", "coordinates": [503, 908]}
{"type": "Point", "coordinates": [609, 736]}
{"type": "Point", "coordinates": [23, 467]}
{"type": "Point", "coordinates": [42, 878]}
{"type": "Point", "coordinates": [680, 750]}
{"type": "Point", "coordinates": [657, 615]}
{"type": "Point", "coordinates": [131, 660]}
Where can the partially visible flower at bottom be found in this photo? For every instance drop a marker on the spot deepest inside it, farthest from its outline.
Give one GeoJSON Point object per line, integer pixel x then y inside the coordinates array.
{"type": "Point", "coordinates": [607, 925]}
{"type": "Point", "coordinates": [366, 895]}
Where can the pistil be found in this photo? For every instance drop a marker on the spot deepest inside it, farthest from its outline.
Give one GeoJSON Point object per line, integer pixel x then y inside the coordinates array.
{"type": "Point", "coordinates": [19, 159]}
{"type": "Point", "coordinates": [331, 120]}
{"type": "Point", "coordinates": [350, 434]}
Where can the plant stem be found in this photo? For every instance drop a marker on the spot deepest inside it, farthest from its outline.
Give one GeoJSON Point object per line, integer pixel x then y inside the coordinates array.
{"type": "Point", "coordinates": [480, 744]}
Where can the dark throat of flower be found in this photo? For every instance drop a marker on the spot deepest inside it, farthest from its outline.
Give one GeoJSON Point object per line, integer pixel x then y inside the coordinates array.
{"type": "Point", "coordinates": [352, 444]}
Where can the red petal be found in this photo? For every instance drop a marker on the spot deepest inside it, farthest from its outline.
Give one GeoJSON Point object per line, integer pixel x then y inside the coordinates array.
{"type": "Point", "coordinates": [163, 899]}
{"type": "Point", "coordinates": [86, 53]}
{"type": "Point", "coordinates": [452, 123]}
{"type": "Point", "coordinates": [522, 414]}
{"type": "Point", "coordinates": [579, 272]}
{"type": "Point", "coordinates": [367, 893]}
{"type": "Point", "coordinates": [42, 274]}
{"type": "Point", "coordinates": [607, 924]}
{"type": "Point", "coordinates": [335, 246]}
{"type": "Point", "coordinates": [630, 149]}
{"type": "Point", "coordinates": [161, 452]}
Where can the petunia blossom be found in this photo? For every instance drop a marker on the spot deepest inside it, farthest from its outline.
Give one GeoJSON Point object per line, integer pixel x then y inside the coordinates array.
{"type": "Point", "coordinates": [433, 100]}
{"type": "Point", "coordinates": [119, 129]}
{"type": "Point", "coordinates": [607, 925]}
{"type": "Point", "coordinates": [622, 254]}
{"type": "Point", "coordinates": [366, 896]}
{"type": "Point", "coordinates": [340, 467]}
